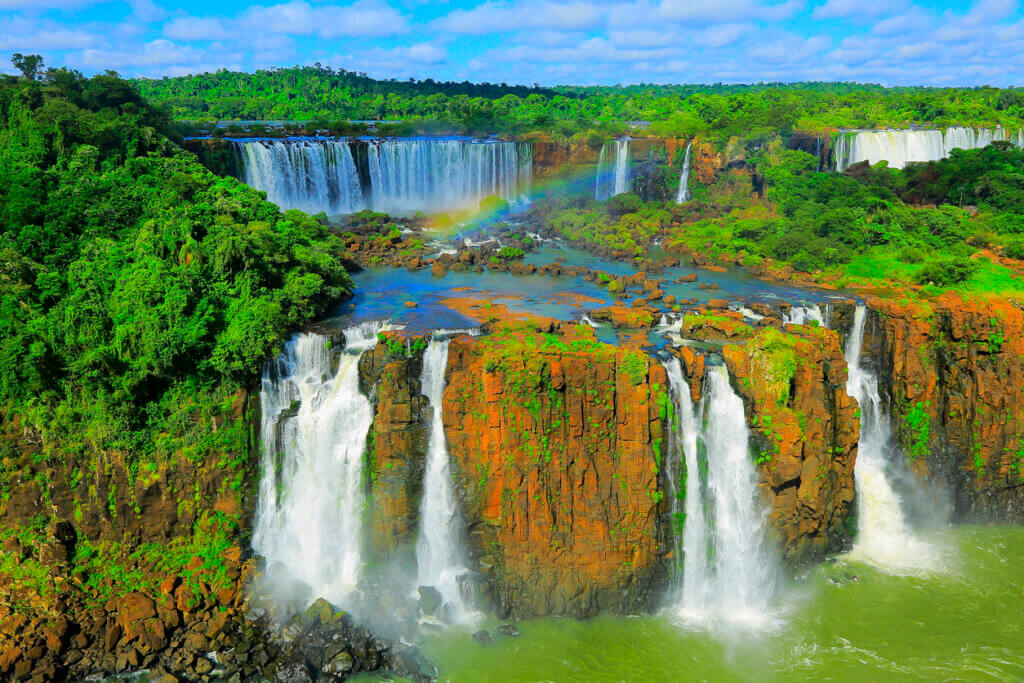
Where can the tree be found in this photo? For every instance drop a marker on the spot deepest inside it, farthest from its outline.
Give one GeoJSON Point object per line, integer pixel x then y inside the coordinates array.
{"type": "Point", "coordinates": [30, 66]}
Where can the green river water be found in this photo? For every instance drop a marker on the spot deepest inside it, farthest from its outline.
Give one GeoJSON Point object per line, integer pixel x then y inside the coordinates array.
{"type": "Point", "coordinates": [843, 621]}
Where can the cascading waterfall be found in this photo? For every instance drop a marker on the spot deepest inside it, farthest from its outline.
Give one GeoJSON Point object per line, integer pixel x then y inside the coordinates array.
{"type": "Point", "coordinates": [314, 427]}
{"type": "Point", "coordinates": [614, 180]}
{"type": "Point", "coordinates": [433, 175]}
{"type": "Point", "coordinates": [689, 525]}
{"type": "Point", "coordinates": [801, 315]}
{"type": "Point", "coordinates": [403, 175]}
{"type": "Point", "coordinates": [729, 575]}
{"type": "Point", "coordinates": [884, 538]}
{"type": "Point", "coordinates": [683, 194]}
{"type": "Point", "coordinates": [900, 147]}
{"type": "Point", "coordinates": [311, 175]}
{"type": "Point", "coordinates": [439, 555]}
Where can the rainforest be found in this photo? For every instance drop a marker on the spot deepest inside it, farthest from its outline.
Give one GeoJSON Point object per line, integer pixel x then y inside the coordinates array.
{"type": "Point", "coordinates": [311, 376]}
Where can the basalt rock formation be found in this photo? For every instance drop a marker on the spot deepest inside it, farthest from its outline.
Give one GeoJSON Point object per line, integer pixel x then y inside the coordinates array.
{"type": "Point", "coordinates": [556, 443]}
{"type": "Point", "coordinates": [955, 371]}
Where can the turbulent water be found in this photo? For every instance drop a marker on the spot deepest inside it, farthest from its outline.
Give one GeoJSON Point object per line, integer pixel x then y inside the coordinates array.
{"type": "Point", "coordinates": [900, 147]}
{"type": "Point", "coordinates": [884, 537]}
{"type": "Point", "coordinates": [729, 575]}
{"type": "Point", "coordinates": [801, 315]}
{"type": "Point", "coordinates": [439, 555]}
{"type": "Point", "coordinates": [394, 175]}
{"type": "Point", "coordinates": [683, 193]}
{"type": "Point", "coordinates": [844, 622]}
{"type": "Point", "coordinates": [314, 427]}
{"type": "Point", "coordinates": [612, 173]}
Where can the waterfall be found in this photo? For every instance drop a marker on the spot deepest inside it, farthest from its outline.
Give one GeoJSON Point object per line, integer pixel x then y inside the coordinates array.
{"type": "Point", "coordinates": [884, 538]}
{"type": "Point", "coordinates": [311, 175]}
{"type": "Point", "coordinates": [402, 175]}
{"type": "Point", "coordinates": [801, 315]}
{"type": "Point", "coordinates": [409, 175]}
{"type": "Point", "coordinates": [728, 572]}
{"type": "Point", "coordinates": [683, 194]}
{"type": "Point", "coordinates": [439, 555]}
{"type": "Point", "coordinates": [313, 432]}
{"type": "Point", "coordinates": [900, 147]}
{"type": "Point", "coordinates": [615, 180]}
{"type": "Point", "coordinates": [689, 525]}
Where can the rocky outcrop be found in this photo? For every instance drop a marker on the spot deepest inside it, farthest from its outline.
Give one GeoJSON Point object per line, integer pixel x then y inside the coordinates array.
{"type": "Point", "coordinates": [556, 443]}
{"type": "Point", "coordinates": [955, 371]}
{"type": "Point", "coordinates": [397, 450]}
{"type": "Point", "coordinates": [805, 430]}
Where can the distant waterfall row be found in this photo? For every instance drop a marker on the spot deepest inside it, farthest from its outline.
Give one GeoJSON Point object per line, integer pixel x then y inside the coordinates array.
{"type": "Point", "coordinates": [394, 176]}
{"type": "Point", "coordinates": [900, 147]}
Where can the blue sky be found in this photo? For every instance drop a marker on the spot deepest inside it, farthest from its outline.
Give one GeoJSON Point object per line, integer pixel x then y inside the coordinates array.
{"type": "Point", "coordinates": [894, 42]}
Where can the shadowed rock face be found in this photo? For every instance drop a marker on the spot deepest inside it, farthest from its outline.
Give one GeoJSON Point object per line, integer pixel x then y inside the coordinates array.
{"type": "Point", "coordinates": [397, 450]}
{"type": "Point", "coordinates": [955, 370]}
{"type": "Point", "coordinates": [557, 457]}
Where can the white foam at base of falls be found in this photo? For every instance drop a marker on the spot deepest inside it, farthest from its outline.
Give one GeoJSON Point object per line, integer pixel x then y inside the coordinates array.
{"type": "Point", "coordinates": [311, 498]}
{"type": "Point", "coordinates": [884, 538]}
{"type": "Point", "coordinates": [439, 553]}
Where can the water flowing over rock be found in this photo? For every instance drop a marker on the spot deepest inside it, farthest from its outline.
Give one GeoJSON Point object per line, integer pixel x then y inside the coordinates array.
{"type": "Point", "coordinates": [439, 551]}
{"type": "Point", "coordinates": [732, 578]}
{"type": "Point", "coordinates": [689, 524]}
{"type": "Point", "coordinates": [311, 175]}
{"type": "Point", "coordinates": [613, 174]}
{"type": "Point", "coordinates": [683, 194]}
{"type": "Point", "coordinates": [884, 537]}
{"type": "Point", "coordinates": [395, 175]}
{"type": "Point", "coordinates": [900, 147]}
{"type": "Point", "coordinates": [314, 427]}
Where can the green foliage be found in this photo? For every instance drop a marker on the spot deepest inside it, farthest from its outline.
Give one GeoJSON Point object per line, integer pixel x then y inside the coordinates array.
{"type": "Point", "coordinates": [329, 98]}
{"type": "Point", "coordinates": [919, 423]}
{"type": "Point", "coordinates": [137, 289]}
{"type": "Point", "coordinates": [510, 253]}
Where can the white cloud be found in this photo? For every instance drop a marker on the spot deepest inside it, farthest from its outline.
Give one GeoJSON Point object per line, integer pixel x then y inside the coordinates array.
{"type": "Point", "coordinates": [363, 18]}
{"type": "Point", "coordinates": [498, 17]}
{"type": "Point", "coordinates": [858, 10]}
{"type": "Point", "coordinates": [727, 11]}
{"type": "Point", "coordinates": [147, 10]}
{"type": "Point", "coordinates": [197, 28]}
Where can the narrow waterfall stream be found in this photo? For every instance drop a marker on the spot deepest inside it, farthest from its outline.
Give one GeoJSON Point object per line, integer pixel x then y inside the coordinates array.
{"type": "Point", "coordinates": [612, 177]}
{"type": "Point", "coordinates": [439, 549]}
{"type": "Point", "coordinates": [884, 538]}
{"type": "Point", "coordinates": [729, 573]}
{"type": "Point", "coordinates": [314, 427]}
{"type": "Point", "coordinates": [683, 193]}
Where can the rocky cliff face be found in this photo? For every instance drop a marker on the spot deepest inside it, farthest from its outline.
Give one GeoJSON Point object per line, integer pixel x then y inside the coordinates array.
{"type": "Point", "coordinates": [397, 449]}
{"type": "Point", "coordinates": [804, 426]}
{"type": "Point", "coordinates": [557, 443]}
{"type": "Point", "coordinates": [955, 370]}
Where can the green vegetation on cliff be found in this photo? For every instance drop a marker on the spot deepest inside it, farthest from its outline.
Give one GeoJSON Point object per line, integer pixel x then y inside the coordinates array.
{"type": "Point", "coordinates": [136, 287]}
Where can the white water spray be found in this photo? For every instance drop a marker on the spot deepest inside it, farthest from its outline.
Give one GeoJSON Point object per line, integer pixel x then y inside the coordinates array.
{"type": "Point", "coordinates": [884, 538]}
{"type": "Point", "coordinates": [615, 180]}
{"type": "Point", "coordinates": [683, 193]}
{"type": "Point", "coordinates": [439, 555]}
{"type": "Point", "coordinates": [729, 574]}
{"type": "Point", "coordinates": [900, 147]}
{"type": "Point", "coordinates": [314, 427]}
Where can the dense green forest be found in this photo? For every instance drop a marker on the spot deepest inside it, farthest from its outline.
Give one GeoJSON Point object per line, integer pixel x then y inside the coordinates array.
{"type": "Point", "coordinates": [322, 94]}
{"type": "Point", "coordinates": [138, 290]}
{"type": "Point", "coordinates": [928, 224]}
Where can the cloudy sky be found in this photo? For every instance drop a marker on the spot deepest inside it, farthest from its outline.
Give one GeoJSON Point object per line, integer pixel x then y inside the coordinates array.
{"type": "Point", "coordinates": [894, 42]}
